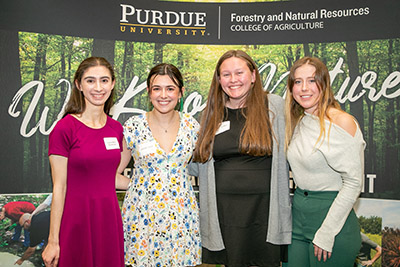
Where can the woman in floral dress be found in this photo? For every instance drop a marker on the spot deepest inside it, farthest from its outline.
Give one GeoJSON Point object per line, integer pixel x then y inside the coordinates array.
{"type": "Point", "coordinates": [160, 210]}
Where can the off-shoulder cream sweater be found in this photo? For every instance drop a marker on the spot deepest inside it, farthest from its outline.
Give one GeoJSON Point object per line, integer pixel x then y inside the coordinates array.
{"type": "Point", "coordinates": [335, 164]}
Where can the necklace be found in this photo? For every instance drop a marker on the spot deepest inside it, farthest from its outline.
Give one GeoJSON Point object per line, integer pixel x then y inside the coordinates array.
{"type": "Point", "coordinates": [165, 129]}
{"type": "Point", "coordinates": [170, 123]}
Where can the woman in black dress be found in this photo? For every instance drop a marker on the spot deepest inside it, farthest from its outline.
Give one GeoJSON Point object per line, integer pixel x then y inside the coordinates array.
{"type": "Point", "coordinates": [244, 189]}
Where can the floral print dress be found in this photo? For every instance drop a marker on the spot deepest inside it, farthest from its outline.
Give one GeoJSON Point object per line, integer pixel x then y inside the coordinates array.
{"type": "Point", "coordinates": [160, 210]}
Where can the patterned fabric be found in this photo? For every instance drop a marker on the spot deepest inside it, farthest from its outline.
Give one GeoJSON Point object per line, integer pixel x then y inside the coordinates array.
{"type": "Point", "coordinates": [160, 211]}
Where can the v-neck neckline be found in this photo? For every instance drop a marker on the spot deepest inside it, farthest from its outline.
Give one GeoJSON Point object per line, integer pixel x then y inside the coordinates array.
{"type": "Point", "coordinates": [155, 140]}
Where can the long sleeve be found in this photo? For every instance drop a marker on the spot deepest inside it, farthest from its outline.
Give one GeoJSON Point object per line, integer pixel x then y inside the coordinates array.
{"type": "Point", "coordinates": [280, 216]}
{"type": "Point", "coordinates": [346, 157]}
{"type": "Point", "coordinates": [334, 164]}
{"type": "Point", "coordinates": [211, 237]}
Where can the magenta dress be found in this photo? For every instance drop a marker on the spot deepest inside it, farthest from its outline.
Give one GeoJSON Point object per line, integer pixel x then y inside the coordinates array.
{"type": "Point", "coordinates": [91, 231]}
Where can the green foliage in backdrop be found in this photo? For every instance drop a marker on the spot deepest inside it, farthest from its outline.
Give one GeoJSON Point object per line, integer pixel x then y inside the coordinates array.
{"type": "Point", "coordinates": [50, 58]}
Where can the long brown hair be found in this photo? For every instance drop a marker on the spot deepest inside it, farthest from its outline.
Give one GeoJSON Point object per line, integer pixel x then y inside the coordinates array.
{"type": "Point", "coordinates": [294, 111]}
{"type": "Point", "coordinates": [256, 136]}
{"type": "Point", "coordinates": [76, 103]}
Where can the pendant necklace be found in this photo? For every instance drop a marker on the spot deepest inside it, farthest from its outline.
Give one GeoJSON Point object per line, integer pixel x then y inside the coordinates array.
{"type": "Point", "coordinates": [165, 129]}
{"type": "Point", "coordinates": [169, 125]}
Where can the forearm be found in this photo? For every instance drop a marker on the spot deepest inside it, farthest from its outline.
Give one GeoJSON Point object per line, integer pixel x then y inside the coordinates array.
{"type": "Point", "coordinates": [57, 208]}
{"type": "Point", "coordinates": [59, 177]}
{"type": "Point", "coordinates": [377, 254]}
{"type": "Point", "coordinates": [121, 182]}
{"type": "Point", "coordinates": [334, 221]}
{"type": "Point", "coordinates": [28, 253]}
{"type": "Point", "coordinates": [351, 176]}
{"type": "Point", "coordinates": [2, 213]}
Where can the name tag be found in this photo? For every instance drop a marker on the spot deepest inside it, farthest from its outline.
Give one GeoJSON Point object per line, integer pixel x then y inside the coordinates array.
{"type": "Point", "coordinates": [111, 143]}
{"type": "Point", "coordinates": [225, 126]}
{"type": "Point", "coordinates": [147, 148]}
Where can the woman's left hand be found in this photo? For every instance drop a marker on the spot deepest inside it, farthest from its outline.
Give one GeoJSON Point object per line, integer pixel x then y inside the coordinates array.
{"type": "Point", "coordinates": [320, 253]}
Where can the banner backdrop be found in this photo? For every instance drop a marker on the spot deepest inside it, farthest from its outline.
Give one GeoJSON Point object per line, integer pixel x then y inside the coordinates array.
{"type": "Point", "coordinates": [43, 41]}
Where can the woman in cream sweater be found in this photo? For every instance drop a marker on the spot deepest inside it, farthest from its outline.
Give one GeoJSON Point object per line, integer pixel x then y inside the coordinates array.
{"type": "Point", "coordinates": [325, 150]}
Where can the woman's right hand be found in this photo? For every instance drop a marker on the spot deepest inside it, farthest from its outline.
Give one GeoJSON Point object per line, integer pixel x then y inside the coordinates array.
{"type": "Point", "coordinates": [51, 255]}
{"type": "Point", "coordinates": [321, 253]}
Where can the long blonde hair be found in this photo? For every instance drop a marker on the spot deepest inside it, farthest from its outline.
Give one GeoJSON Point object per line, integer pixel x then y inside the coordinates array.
{"type": "Point", "coordinates": [256, 136]}
{"type": "Point", "coordinates": [294, 111]}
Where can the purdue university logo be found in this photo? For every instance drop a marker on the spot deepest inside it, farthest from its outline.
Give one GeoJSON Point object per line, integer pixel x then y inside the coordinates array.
{"type": "Point", "coordinates": [161, 22]}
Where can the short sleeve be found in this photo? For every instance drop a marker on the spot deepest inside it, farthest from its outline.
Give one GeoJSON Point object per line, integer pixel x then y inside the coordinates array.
{"type": "Point", "coordinates": [121, 138]}
{"type": "Point", "coordinates": [117, 127]}
{"type": "Point", "coordinates": [194, 127]}
{"type": "Point", "coordinates": [129, 131]}
{"type": "Point", "coordinates": [60, 139]}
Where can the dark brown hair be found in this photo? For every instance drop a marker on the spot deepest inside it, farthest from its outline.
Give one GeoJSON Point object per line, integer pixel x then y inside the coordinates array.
{"type": "Point", "coordinates": [166, 69]}
{"type": "Point", "coordinates": [76, 103]}
{"type": "Point", "coordinates": [256, 136]}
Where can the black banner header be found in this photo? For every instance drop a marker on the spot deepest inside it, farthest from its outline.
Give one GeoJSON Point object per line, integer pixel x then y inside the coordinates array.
{"type": "Point", "coordinates": [207, 23]}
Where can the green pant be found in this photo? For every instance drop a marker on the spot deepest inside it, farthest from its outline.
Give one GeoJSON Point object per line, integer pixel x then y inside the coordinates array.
{"type": "Point", "coordinates": [309, 211]}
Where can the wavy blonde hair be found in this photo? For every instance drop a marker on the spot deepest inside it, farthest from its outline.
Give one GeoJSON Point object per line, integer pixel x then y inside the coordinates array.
{"type": "Point", "coordinates": [256, 136]}
{"type": "Point", "coordinates": [294, 111]}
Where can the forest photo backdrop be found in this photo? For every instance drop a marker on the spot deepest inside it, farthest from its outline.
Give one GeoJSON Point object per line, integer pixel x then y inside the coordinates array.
{"type": "Point", "coordinates": [365, 77]}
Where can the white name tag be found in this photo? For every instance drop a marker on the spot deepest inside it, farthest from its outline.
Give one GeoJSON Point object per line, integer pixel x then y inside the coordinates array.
{"type": "Point", "coordinates": [225, 126]}
{"type": "Point", "coordinates": [111, 143]}
{"type": "Point", "coordinates": [147, 148]}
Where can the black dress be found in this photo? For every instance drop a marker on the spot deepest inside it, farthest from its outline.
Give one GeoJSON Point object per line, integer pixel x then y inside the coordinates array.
{"type": "Point", "coordinates": [243, 186]}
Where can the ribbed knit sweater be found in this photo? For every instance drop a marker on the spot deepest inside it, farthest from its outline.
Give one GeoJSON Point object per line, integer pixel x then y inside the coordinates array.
{"type": "Point", "coordinates": [336, 163]}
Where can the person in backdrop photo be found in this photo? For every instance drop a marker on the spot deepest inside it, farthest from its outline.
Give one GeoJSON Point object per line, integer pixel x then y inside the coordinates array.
{"type": "Point", "coordinates": [160, 210]}
{"type": "Point", "coordinates": [14, 210]}
{"type": "Point", "coordinates": [84, 152]}
{"type": "Point", "coordinates": [245, 209]}
{"type": "Point", "coordinates": [38, 226]}
{"type": "Point", "coordinates": [364, 255]}
{"type": "Point", "coordinates": [325, 150]}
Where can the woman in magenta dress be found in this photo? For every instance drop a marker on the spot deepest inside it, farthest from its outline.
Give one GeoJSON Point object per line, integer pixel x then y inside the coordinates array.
{"type": "Point", "coordinates": [84, 152]}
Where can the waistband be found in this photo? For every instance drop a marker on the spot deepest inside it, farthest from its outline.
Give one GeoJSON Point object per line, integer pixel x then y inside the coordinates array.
{"type": "Point", "coordinates": [316, 194]}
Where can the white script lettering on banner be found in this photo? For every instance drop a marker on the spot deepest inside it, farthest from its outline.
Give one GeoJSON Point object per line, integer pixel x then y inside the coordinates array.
{"type": "Point", "coordinates": [367, 80]}
{"type": "Point", "coordinates": [41, 124]}
{"type": "Point", "coordinates": [194, 102]}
